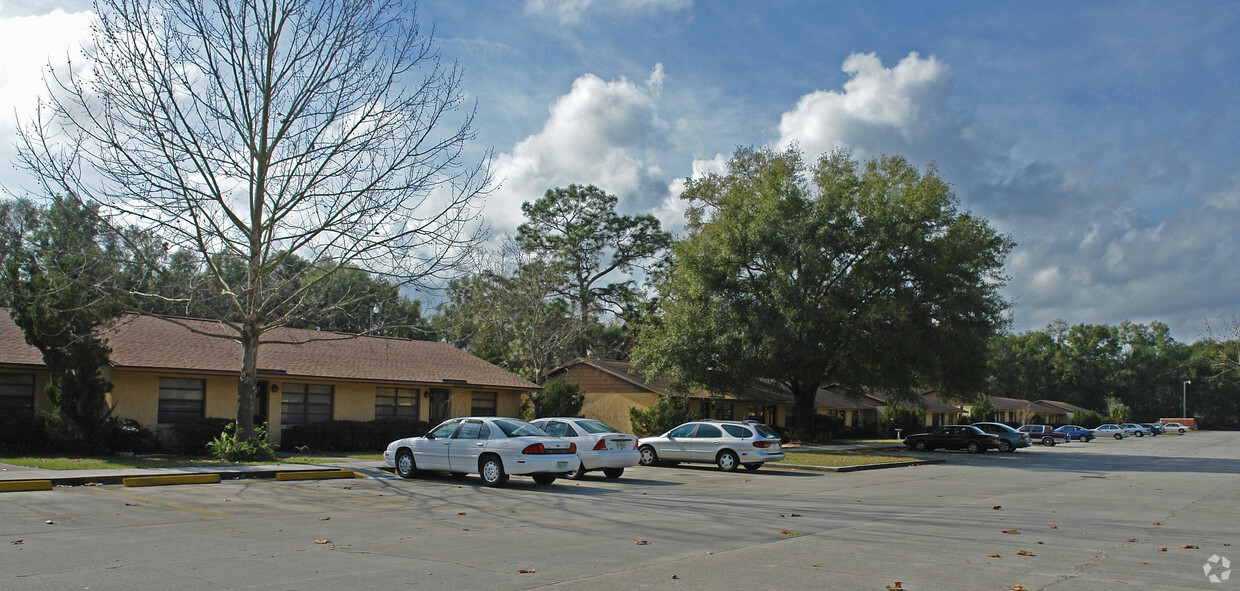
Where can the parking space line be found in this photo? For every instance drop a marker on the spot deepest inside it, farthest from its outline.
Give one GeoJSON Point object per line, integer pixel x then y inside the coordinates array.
{"type": "Point", "coordinates": [173, 505]}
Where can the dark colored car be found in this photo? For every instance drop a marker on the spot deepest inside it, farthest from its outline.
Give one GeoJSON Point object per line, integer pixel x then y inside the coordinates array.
{"type": "Point", "coordinates": [966, 437]}
{"type": "Point", "coordinates": [1155, 428]}
{"type": "Point", "coordinates": [1044, 433]}
{"type": "Point", "coordinates": [1012, 439]}
{"type": "Point", "coordinates": [1077, 432]}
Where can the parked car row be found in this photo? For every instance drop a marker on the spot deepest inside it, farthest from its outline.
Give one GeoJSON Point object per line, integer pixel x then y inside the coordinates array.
{"type": "Point", "coordinates": [550, 448]}
{"type": "Point", "coordinates": [979, 437]}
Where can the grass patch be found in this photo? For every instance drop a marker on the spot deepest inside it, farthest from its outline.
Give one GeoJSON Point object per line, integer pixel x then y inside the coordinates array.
{"type": "Point", "coordinates": [837, 459]}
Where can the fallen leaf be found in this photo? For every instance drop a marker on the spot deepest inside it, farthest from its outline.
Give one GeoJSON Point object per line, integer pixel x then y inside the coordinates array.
{"type": "Point", "coordinates": [1024, 553]}
{"type": "Point", "coordinates": [322, 541]}
{"type": "Point", "coordinates": [898, 585]}
{"type": "Point", "coordinates": [997, 507]}
{"type": "Point", "coordinates": [16, 542]}
{"type": "Point", "coordinates": [131, 504]}
{"type": "Point", "coordinates": [1132, 539]}
{"type": "Point", "coordinates": [50, 522]}
{"type": "Point", "coordinates": [460, 513]}
{"type": "Point", "coordinates": [1054, 527]}
{"type": "Point", "coordinates": [1157, 523]}
{"type": "Point", "coordinates": [675, 577]}
{"type": "Point", "coordinates": [1163, 549]}
{"type": "Point", "coordinates": [1010, 531]}
{"type": "Point", "coordinates": [642, 542]}
{"type": "Point", "coordinates": [464, 529]}
{"type": "Point", "coordinates": [1189, 547]}
{"type": "Point", "coordinates": [325, 519]}
{"type": "Point", "coordinates": [789, 533]}
{"type": "Point", "coordinates": [1017, 588]}
{"type": "Point", "coordinates": [816, 565]}
{"type": "Point", "coordinates": [526, 571]}
{"type": "Point", "coordinates": [994, 556]}
{"type": "Point", "coordinates": [1039, 541]}
{"type": "Point", "coordinates": [794, 515]}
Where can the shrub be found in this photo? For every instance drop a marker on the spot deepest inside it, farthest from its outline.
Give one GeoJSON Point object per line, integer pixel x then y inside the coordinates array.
{"type": "Point", "coordinates": [826, 428]}
{"type": "Point", "coordinates": [227, 446]}
{"type": "Point", "coordinates": [191, 437]}
{"type": "Point", "coordinates": [1086, 418]}
{"type": "Point", "coordinates": [121, 434]}
{"type": "Point", "coordinates": [668, 412]}
{"type": "Point", "coordinates": [910, 420]}
{"type": "Point", "coordinates": [351, 435]}
{"type": "Point", "coordinates": [557, 398]}
{"type": "Point", "coordinates": [25, 435]}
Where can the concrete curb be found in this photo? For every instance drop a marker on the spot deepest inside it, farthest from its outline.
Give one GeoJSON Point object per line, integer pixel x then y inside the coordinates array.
{"type": "Point", "coordinates": [25, 485]}
{"type": "Point", "coordinates": [856, 468]}
{"type": "Point", "coordinates": [171, 479]}
{"type": "Point", "coordinates": [317, 475]}
{"type": "Point", "coordinates": [119, 477]}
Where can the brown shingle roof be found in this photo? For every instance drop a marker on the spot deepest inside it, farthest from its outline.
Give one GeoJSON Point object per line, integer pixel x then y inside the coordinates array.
{"type": "Point", "coordinates": [148, 343]}
{"type": "Point", "coordinates": [1018, 404]}
{"type": "Point", "coordinates": [929, 403]}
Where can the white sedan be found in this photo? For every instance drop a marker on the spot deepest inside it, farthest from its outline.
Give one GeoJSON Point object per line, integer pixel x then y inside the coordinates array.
{"type": "Point", "coordinates": [1112, 430]}
{"type": "Point", "coordinates": [1177, 427]}
{"type": "Point", "coordinates": [492, 447]}
{"type": "Point", "coordinates": [599, 445]}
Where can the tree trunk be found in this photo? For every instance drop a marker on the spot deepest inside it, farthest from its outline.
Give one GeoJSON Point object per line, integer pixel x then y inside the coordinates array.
{"type": "Point", "coordinates": [803, 408]}
{"type": "Point", "coordinates": [247, 387]}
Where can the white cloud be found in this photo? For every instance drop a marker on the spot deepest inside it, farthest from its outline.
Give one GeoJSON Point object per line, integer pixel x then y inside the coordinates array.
{"type": "Point", "coordinates": [608, 134]}
{"type": "Point", "coordinates": [29, 44]}
{"type": "Point", "coordinates": [573, 11]}
{"type": "Point", "coordinates": [883, 109]}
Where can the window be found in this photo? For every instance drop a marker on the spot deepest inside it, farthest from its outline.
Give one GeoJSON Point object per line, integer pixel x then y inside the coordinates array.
{"type": "Point", "coordinates": [707, 431]}
{"type": "Point", "coordinates": [483, 404]}
{"type": "Point", "coordinates": [683, 430]}
{"type": "Point", "coordinates": [302, 404]}
{"type": "Point", "coordinates": [723, 411]}
{"type": "Point", "coordinates": [469, 430]}
{"type": "Point", "coordinates": [182, 399]}
{"type": "Point", "coordinates": [396, 402]}
{"type": "Point", "coordinates": [738, 431]}
{"type": "Point", "coordinates": [555, 428]}
{"type": "Point", "coordinates": [16, 395]}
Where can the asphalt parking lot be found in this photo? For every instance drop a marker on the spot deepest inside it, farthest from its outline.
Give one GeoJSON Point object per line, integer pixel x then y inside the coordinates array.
{"type": "Point", "coordinates": [1145, 513]}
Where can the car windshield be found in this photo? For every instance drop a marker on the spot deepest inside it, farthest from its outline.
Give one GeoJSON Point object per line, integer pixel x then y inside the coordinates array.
{"type": "Point", "coordinates": [513, 428]}
{"type": "Point", "coordinates": [593, 426]}
{"type": "Point", "coordinates": [997, 426]}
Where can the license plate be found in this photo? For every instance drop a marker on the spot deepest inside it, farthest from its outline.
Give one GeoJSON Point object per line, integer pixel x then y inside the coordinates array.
{"type": "Point", "coordinates": [620, 443]}
{"type": "Point", "coordinates": [561, 465]}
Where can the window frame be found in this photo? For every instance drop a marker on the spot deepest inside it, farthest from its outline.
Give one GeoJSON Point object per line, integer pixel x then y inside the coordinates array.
{"type": "Point", "coordinates": [289, 389]}
{"type": "Point", "coordinates": [171, 416]}
{"type": "Point", "coordinates": [482, 411]}
{"type": "Point", "coordinates": [9, 384]}
{"type": "Point", "coordinates": [392, 410]}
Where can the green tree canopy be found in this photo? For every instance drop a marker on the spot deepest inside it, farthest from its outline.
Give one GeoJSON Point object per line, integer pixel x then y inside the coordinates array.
{"type": "Point", "coordinates": [861, 275]}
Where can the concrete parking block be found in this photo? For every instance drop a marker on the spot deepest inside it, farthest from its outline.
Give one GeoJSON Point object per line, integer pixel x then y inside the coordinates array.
{"type": "Point", "coordinates": [317, 475]}
{"type": "Point", "coordinates": [25, 485]}
{"type": "Point", "coordinates": [171, 479]}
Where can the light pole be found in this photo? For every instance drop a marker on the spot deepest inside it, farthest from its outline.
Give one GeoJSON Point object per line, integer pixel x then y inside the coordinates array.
{"type": "Point", "coordinates": [1184, 400]}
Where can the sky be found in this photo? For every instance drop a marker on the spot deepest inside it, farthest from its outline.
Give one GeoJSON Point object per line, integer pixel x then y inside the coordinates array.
{"type": "Point", "coordinates": [1102, 137]}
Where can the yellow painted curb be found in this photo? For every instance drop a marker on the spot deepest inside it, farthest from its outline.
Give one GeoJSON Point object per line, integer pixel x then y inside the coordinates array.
{"type": "Point", "coordinates": [23, 485]}
{"type": "Point", "coordinates": [177, 479]}
{"type": "Point", "coordinates": [315, 475]}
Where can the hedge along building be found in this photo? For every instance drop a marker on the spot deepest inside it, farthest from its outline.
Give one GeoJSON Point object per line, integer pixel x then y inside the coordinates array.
{"type": "Point", "coordinates": [163, 372]}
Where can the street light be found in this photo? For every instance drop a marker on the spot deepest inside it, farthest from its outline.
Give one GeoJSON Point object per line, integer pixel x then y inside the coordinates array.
{"type": "Point", "coordinates": [1184, 401]}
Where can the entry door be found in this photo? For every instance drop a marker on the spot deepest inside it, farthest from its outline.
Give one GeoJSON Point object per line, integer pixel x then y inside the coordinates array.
{"type": "Point", "coordinates": [260, 403]}
{"type": "Point", "coordinates": [438, 406]}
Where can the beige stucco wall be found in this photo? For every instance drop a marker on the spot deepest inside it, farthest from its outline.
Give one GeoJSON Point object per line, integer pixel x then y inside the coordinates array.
{"type": "Point", "coordinates": [613, 407]}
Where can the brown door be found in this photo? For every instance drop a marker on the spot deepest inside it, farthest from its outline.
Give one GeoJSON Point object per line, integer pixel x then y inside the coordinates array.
{"type": "Point", "coordinates": [438, 406]}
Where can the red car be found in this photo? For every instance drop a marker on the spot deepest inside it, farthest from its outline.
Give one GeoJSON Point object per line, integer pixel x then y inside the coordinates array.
{"type": "Point", "coordinates": [966, 437]}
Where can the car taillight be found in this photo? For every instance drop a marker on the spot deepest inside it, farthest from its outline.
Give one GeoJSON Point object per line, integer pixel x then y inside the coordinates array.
{"type": "Point", "coordinates": [534, 448]}
{"type": "Point", "coordinates": [601, 445]}
{"type": "Point", "coordinates": [763, 444]}
{"type": "Point", "coordinates": [572, 448]}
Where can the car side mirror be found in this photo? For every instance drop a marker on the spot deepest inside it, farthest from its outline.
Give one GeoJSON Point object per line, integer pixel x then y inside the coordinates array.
{"type": "Point", "coordinates": [429, 436]}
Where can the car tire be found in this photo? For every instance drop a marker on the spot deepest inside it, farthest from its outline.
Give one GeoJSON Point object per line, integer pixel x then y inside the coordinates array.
{"type": "Point", "coordinates": [1119, 435]}
{"type": "Point", "coordinates": [974, 447]}
{"type": "Point", "coordinates": [752, 466]}
{"type": "Point", "coordinates": [406, 467]}
{"type": "Point", "coordinates": [1140, 434]}
{"type": "Point", "coordinates": [1006, 446]}
{"type": "Point", "coordinates": [1048, 441]}
{"type": "Point", "coordinates": [576, 474]}
{"type": "Point", "coordinates": [613, 473]}
{"type": "Point", "coordinates": [727, 460]}
{"type": "Point", "coordinates": [544, 478]}
{"type": "Point", "coordinates": [921, 446]}
{"type": "Point", "coordinates": [491, 469]}
{"type": "Point", "coordinates": [648, 456]}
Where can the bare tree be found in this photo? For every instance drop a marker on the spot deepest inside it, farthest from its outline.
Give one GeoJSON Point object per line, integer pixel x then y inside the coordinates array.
{"type": "Point", "coordinates": [252, 131]}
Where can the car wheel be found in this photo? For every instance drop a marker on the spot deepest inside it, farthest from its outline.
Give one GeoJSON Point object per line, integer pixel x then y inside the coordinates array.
{"type": "Point", "coordinates": [974, 447]}
{"type": "Point", "coordinates": [613, 472]}
{"type": "Point", "coordinates": [1182, 431]}
{"type": "Point", "coordinates": [492, 471]}
{"type": "Point", "coordinates": [921, 446]}
{"type": "Point", "coordinates": [727, 460]}
{"type": "Point", "coordinates": [1048, 441]}
{"type": "Point", "coordinates": [1006, 446]}
{"type": "Point", "coordinates": [575, 474]}
{"type": "Point", "coordinates": [649, 457]}
{"type": "Point", "coordinates": [1140, 434]}
{"type": "Point", "coordinates": [1119, 435]}
{"type": "Point", "coordinates": [405, 466]}
{"type": "Point", "coordinates": [544, 478]}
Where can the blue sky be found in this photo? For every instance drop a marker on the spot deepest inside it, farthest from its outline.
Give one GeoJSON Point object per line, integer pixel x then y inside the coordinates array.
{"type": "Point", "coordinates": [1103, 137]}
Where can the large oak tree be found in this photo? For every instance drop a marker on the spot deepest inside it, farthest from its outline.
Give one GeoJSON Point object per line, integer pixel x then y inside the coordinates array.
{"type": "Point", "coordinates": [867, 276]}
